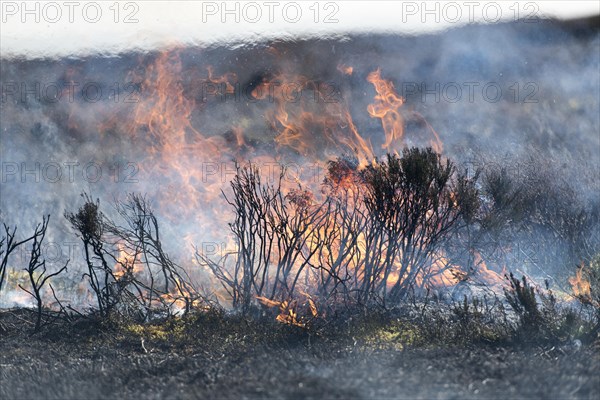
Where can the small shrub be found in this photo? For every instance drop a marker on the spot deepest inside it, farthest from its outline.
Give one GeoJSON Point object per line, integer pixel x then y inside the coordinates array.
{"type": "Point", "coordinates": [90, 224]}
{"type": "Point", "coordinates": [540, 317]}
{"type": "Point", "coordinates": [141, 281]}
{"type": "Point", "coordinates": [37, 272]}
{"type": "Point", "coordinates": [523, 301]}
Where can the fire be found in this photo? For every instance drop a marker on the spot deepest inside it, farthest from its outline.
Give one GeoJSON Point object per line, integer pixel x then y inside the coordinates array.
{"type": "Point", "coordinates": [386, 106]}
{"type": "Point", "coordinates": [126, 263]}
{"type": "Point", "coordinates": [443, 274]}
{"type": "Point", "coordinates": [161, 120]}
{"type": "Point", "coordinates": [182, 298]}
{"type": "Point", "coordinates": [307, 117]}
{"type": "Point", "coordinates": [486, 275]}
{"type": "Point", "coordinates": [288, 310]}
{"type": "Point", "coordinates": [345, 69]}
{"type": "Point", "coordinates": [174, 151]}
{"type": "Point", "coordinates": [581, 286]}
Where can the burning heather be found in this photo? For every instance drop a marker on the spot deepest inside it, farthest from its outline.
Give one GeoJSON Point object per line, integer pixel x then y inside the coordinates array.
{"type": "Point", "coordinates": [360, 199]}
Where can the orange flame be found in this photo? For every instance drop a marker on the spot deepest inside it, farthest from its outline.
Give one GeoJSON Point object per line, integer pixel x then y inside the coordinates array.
{"type": "Point", "coordinates": [345, 69]}
{"type": "Point", "coordinates": [386, 106]}
{"type": "Point", "coordinates": [486, 275]}
{"type": "Point", "coordinates": [126, 263]}
{"type": "Point", "coordinates": [581, 286]}
{"type": "Point", "coordinates": [288, 310]}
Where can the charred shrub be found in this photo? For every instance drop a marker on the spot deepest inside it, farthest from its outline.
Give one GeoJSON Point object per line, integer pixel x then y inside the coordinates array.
{"type": "Point", "coordinates": [539, 317]}
{"type": "Point", "coordinates": [469, 315]}
{"type": "Point", "coordinates": [413, 204]}
{"type": "Point", "coordinates": [152, 281]}
{"type": "Point", "coordinates": [521, 297]}
{"type": "Point", "coordinates": [37, 271]}
{"type": "Point", "coordinates": [272, 231]}
{"type": "Point", "coordinates": [139, 281]}
{"type": "Point", "coordinates": [90, 224]}
{"type": "Point", "coordinates": [9, 243]}
{"type": "Point", "coordinates": [506, 197]}
{"type": "Point", "coordinates": [369, 240]}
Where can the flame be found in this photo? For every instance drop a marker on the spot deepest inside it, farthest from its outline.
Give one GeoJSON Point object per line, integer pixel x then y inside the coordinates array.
{"type": "Point", "coordinates": [443, 274]}
{"type": "Point", "coordinates": [126, 263]}
{"type": "Point", "coordinates": [345, 69]}
{"type": "Point", "coordinates": [307, 116]}
{"type": "Point", "coordinates": [288, 310]}
{"type": "Point", "coordinates": [162, 120]}
{"type": "Point", "coordinates": [182, 298]}
{"type": "Point", "coordinates": [580, 285]}
{"type": "Point", "coordinates": [308, 123]}
{"type": "Point", "coordinates": [486, 275]}
{"type": "Point", "coordinates": [386, 106]}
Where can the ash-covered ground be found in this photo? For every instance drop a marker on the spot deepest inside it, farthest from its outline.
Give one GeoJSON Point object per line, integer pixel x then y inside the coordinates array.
{"type": "Point", "coordinates": [233, 358]}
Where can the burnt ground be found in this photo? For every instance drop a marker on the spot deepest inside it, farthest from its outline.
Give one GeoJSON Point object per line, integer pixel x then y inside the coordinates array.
{"type": "Point", "coordinates": [223, 357]}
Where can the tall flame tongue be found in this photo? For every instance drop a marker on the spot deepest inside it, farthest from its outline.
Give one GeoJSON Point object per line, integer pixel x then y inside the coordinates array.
{"type": "Point", "coordinates": [163, 117]}
{"type": "Point", "coordinates": [311, 118]}
{"type": "Point", "coordinates": [386, 108]}
{"type": "Point", "coordinates": [177, 155]}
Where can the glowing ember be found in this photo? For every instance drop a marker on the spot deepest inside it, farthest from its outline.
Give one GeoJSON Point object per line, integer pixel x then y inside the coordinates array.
{"type": "Point", "coordinates": [288, 310]}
